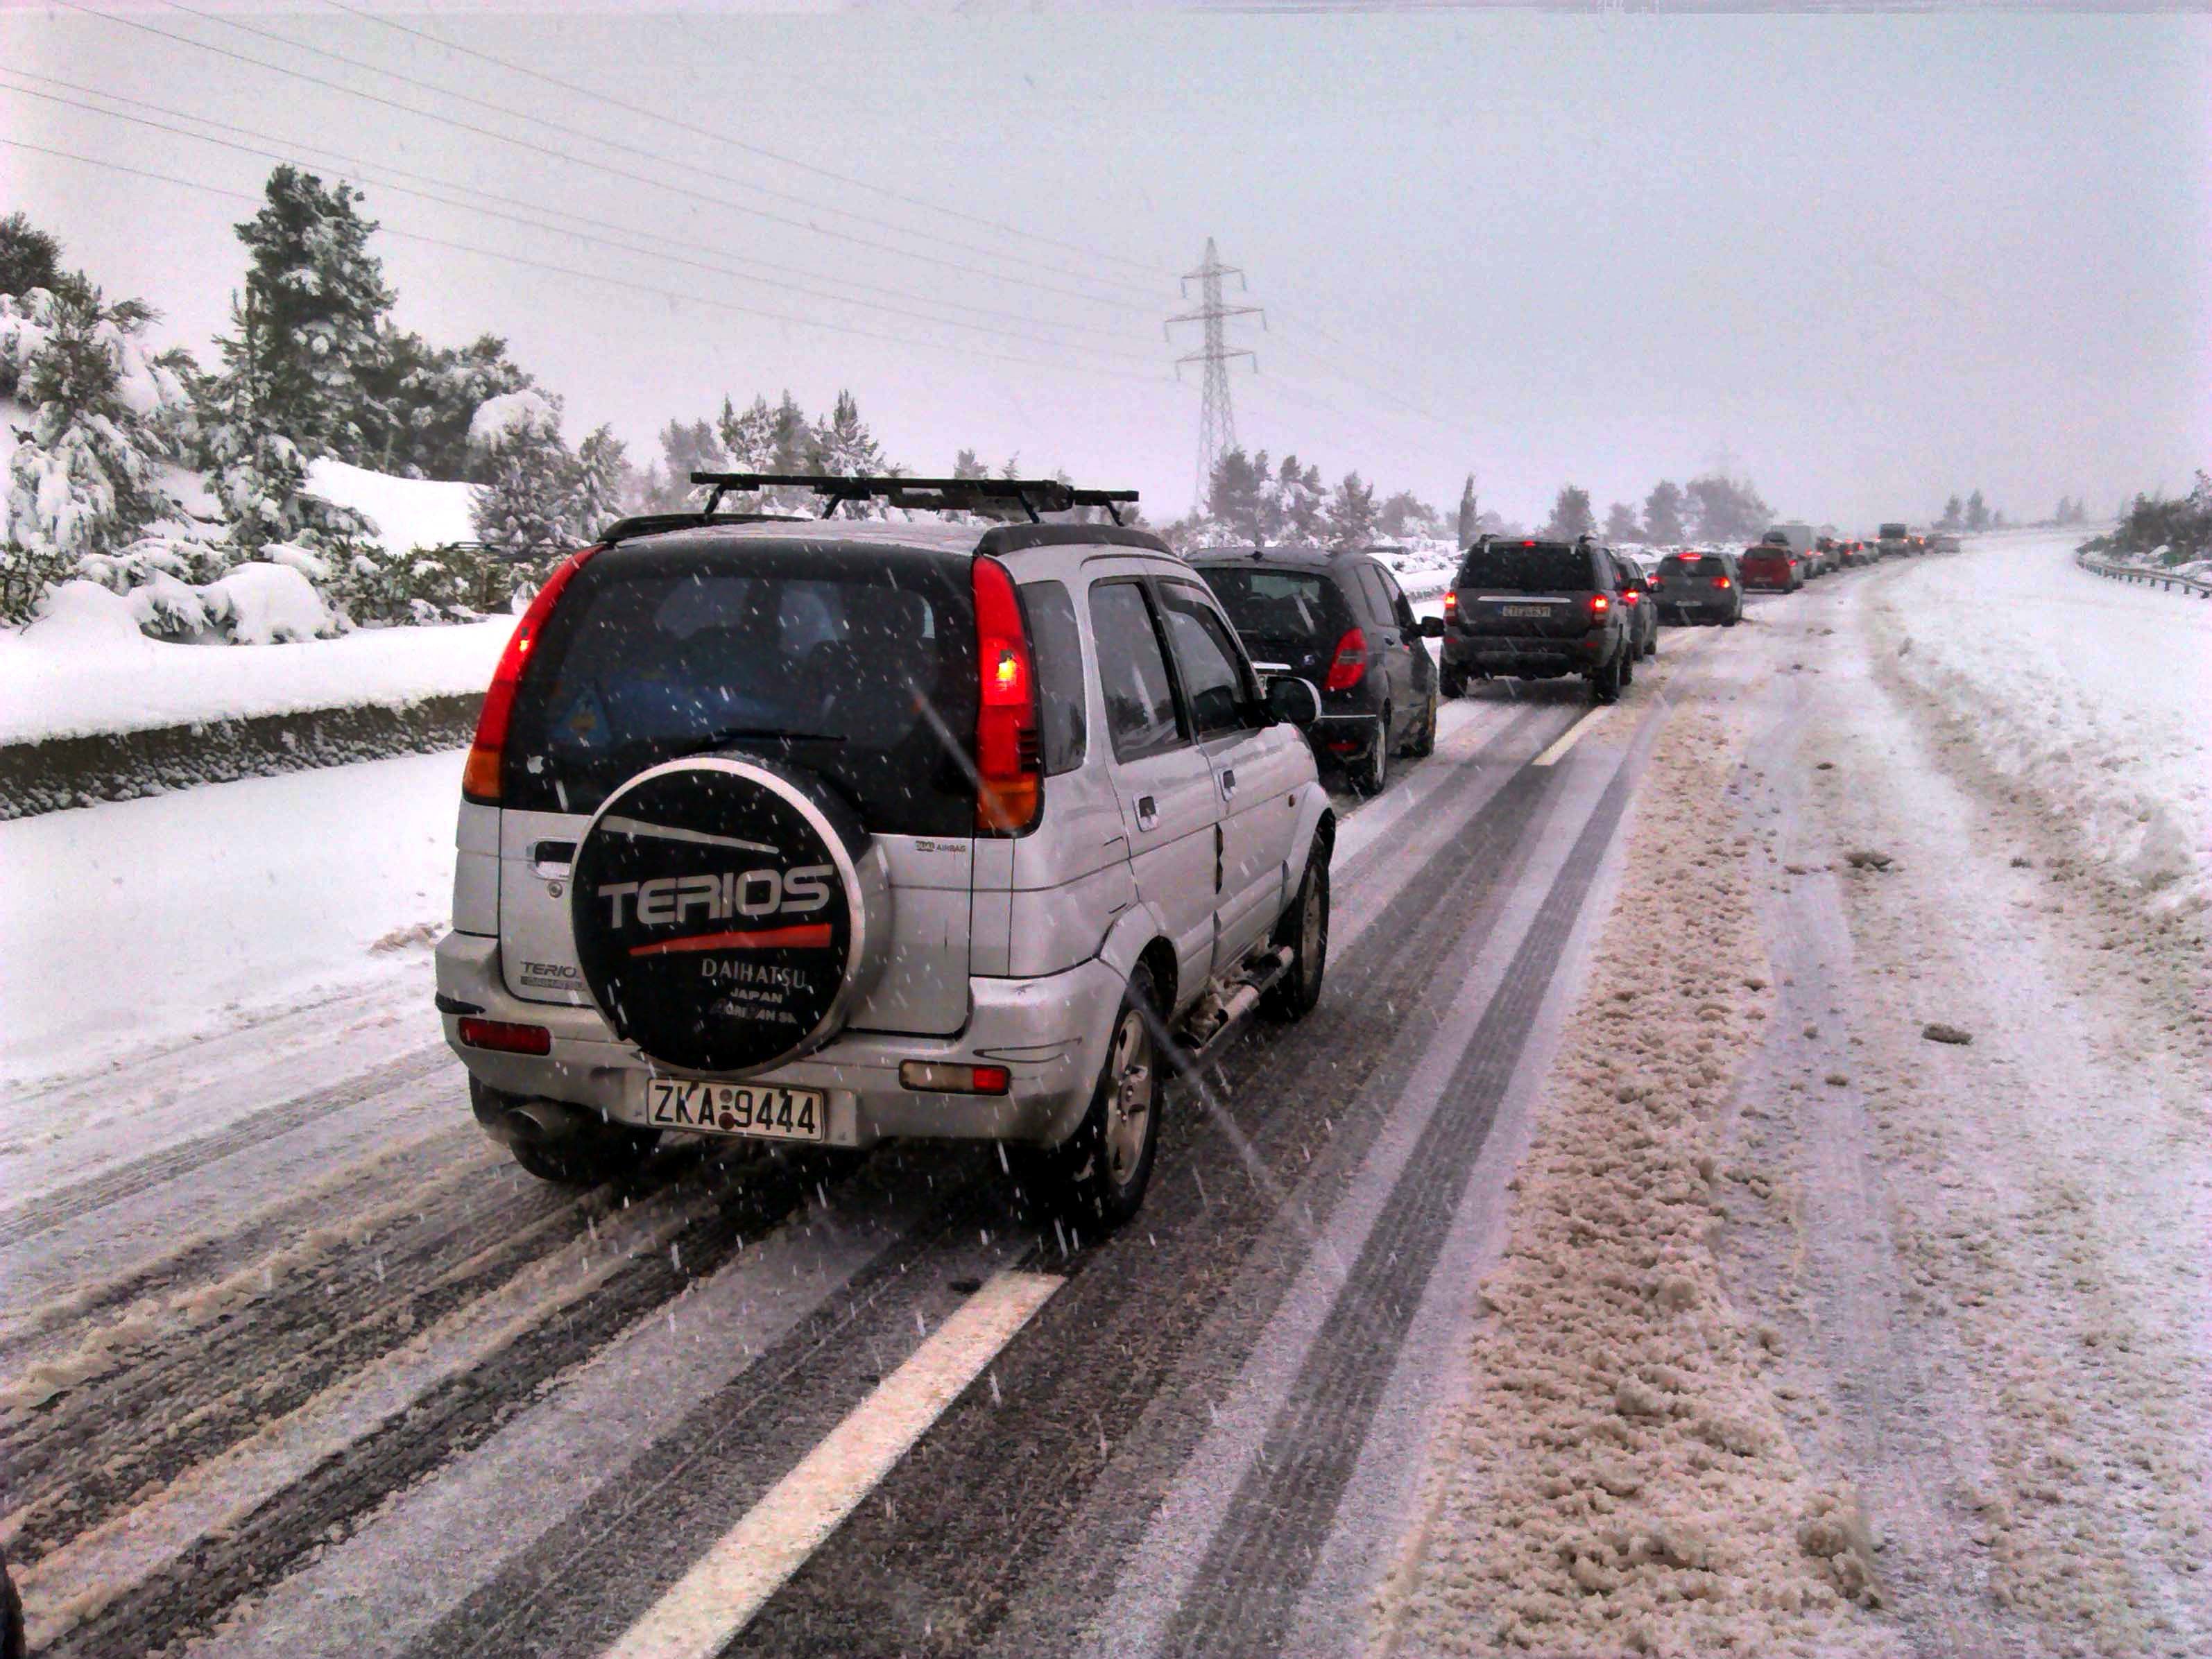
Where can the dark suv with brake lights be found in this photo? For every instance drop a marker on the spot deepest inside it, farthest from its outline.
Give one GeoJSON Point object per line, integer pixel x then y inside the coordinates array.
{"type": "Point", "coordinates": [834, 831]}
{"type": "Point", "coordinates": [1698, 586]}
{"type": "Point", "coordinates": [1535, 610]}
{"type": "Point", "coordinates": [1339, 619]}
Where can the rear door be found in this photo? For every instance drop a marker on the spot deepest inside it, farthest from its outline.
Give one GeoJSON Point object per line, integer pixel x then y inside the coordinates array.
{"type": "Point", "coordinates": [1163, 781]}
{"type": "Point", "coordinates": [1255, 769]}
{"type": "Point", "coordinates": [822, 657]}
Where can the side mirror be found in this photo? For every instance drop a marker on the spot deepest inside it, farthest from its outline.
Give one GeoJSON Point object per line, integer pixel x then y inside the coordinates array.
{"type": "Point", "coordinates": [1294, 700]}
{"type": "Point", "coordinates": [1432, 628]}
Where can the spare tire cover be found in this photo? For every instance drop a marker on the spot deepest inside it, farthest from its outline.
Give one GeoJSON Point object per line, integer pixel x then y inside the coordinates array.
{"type": "Point", "coordinates": [728, 912]}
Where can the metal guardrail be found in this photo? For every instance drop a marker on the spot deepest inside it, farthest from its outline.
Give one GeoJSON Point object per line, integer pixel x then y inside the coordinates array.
{"type": "Point", "coordinates": [2143, 576]}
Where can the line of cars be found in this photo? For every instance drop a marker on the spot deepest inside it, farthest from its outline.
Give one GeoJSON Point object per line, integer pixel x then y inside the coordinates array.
{"type": "Point", "coordinates": [836, 830]}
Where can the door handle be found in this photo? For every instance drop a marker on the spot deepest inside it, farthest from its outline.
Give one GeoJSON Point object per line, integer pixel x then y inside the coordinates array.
{"type": "Point", "coordinates": [1228, 783]}
{"type": "Point", "coordinates": [1148, 812]}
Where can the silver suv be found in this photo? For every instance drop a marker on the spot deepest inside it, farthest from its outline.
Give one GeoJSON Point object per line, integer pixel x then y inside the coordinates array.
{"type": "Point", "coordinates": [832, 830]}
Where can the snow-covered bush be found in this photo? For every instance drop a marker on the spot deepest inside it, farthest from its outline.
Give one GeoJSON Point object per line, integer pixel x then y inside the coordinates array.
{"type": "Point", "coordinates": [450, 583]}
{"type": "Point", "coordinates": [83, 479]}
{"type": "Point", "coordinates": [266, 604]}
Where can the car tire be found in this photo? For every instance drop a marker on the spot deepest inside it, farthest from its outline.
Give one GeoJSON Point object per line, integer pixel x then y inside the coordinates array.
{"type": "Point", "coordinates": [12, 1645]}
{"type": "Point", "coordinates": [1423, 743]}
{"type": "Point", "coordinates": [1605, 682]}
{"type": "Point", "coordinates": [1098, 1175]}
{"type": "Point", "coordinates": [1628, 665]}
{"type": "Point", "coordinates": [1305, 929]}
{"type": "Point", "coordinates": [1371, 774]}
{"type": "Point", "coordinates": [1652, 649]}
{"type": "Point", "coordinates": [1451, 682]}
{"type": "Point", "coordinates": [588, 1160]}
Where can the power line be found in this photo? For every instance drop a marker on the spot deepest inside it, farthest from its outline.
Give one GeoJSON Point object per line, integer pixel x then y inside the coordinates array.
{"type": "Point", "coordinates": [540, 151]}
{"type": "Point", "coordinates": [705, 301]}
{"type": "Point", "coordinates": [781, 284]}
{"type": "Point", "coordinates": [749, 148]}
{"type": "Point", "coordinates": [661, 157]}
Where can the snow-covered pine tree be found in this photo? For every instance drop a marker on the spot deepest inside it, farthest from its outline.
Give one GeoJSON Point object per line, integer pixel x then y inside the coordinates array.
{"type": "Point", "coordinates": [522, 507]}
{"type": "Point", "coordinates": [425, 396]}
{"type": "Point", "coordinates": [29, 257]}
{"type": "Point", "coordinates": [1470, 513]}
{"type": "Point", "coordinates": [83, 482]}
{"type": "Point", "coordinates": [321, 303]}
{"type": "Point", "coordinates": [843, 447]}
{"type": "Point", "coordinates": [1352, 513]}
{"type": "Point", "coordinates": [602, 476]}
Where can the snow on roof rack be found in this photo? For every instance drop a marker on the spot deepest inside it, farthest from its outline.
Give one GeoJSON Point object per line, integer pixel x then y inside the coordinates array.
{"type": "Point", "coordinates": [992, 496]}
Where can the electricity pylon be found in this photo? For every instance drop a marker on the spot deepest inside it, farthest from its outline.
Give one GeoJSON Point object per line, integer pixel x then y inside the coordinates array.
{"type": "Point", "coordinates": [1217, 417]}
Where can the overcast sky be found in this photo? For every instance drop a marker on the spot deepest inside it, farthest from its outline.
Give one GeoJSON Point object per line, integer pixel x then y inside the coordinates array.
{"type": "Point", "coordinates": [1866, 260]}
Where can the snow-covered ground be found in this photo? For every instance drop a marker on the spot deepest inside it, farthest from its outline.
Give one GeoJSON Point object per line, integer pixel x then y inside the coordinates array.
{"type": "Point", "coordinates": [125, 924]}
{"type": "Point", "coordinates": [2087, 695]}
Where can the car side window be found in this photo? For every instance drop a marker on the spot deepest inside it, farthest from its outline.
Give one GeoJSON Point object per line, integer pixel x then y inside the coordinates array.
{"type": "Point", "coordinates": [1214, 679]}
{"type": "Point", "coordinates": [1133, 671]}
{"type": "Point", "coordinates": [1378, 597]}
{"type": "Point", "coordinates": [1059, 647]}
{"type": "Point", "coordinates": [1401, 606]}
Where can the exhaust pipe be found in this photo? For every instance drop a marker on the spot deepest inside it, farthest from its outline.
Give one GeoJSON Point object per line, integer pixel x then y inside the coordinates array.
{"type": "Point", "coordinates": [543, 1122]}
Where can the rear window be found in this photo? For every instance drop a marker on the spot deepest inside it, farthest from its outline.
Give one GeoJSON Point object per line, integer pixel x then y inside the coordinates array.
{"type": "Point", "coordinates": [1530, 567]}
{"type": "Point", "coordinates": [858, 668]}
{"type": "Point", "coordinates": [1893, 532]}
{"type": "Point", "coordinates": [1710, 564]}
{"type": "Point", "coordinates": [1278, 607]}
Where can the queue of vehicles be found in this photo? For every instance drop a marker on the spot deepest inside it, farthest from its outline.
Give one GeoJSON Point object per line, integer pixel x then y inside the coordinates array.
{"type": "Point", "coordinates": [834, 830]}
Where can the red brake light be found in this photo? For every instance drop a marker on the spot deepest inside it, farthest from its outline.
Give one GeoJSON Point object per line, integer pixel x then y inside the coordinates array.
{"type": "Point", "coordinates": [480, 775]}
{"type": "Point", "coordinates": [1009, 755]}
{"type": "Point", "coordinates": [507, 1037]}
{"type": "Point", "coordinates": [1598, 605]}
{"type": "Point", "coordinates": [1349, 664]}
{"type": "Point", "coordinates": [1630, 597]}
{"type": "Point", "coordinates": [1451, 603]}
{"type": "Point", "coordinates": [1720, 581]}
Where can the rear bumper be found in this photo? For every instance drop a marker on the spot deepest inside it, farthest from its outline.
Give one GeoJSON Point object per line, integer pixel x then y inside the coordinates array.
{"type": "Point", "coordinates": [1345, 734]}
{"type": "Point", "coordinates": [1721, 605]}
{"type": "Point", "coordinates": [1050, 1034]}
{"type": "Point", "coordinates": [1489, 654]}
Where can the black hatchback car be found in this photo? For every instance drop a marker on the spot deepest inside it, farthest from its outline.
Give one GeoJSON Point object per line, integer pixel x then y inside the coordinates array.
{"type": "Point", "coordinates": [1337, 617]}
{"type": "Point", "coordinates": [1537, 610]}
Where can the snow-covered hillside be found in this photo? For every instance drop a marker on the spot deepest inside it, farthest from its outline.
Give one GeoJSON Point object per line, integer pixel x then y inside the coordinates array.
{"type": "Point", "coordinates": [2087, 694]}
{"type": "Point", "coordinates": [408, 512]}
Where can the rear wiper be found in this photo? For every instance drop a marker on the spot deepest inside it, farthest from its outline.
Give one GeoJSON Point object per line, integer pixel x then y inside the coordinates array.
{"type": "Point", "coordinates": [732, 734]}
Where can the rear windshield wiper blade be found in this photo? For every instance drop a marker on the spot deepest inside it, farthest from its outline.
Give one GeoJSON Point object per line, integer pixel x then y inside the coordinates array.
{"type": "Point", "coordinates": [732, 734]}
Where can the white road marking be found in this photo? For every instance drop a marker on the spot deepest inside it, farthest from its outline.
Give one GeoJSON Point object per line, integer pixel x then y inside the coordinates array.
{"type": "Point", "coordinates": [716, 1599]}
{"type": "Point", "coordinates": [1551, 756]}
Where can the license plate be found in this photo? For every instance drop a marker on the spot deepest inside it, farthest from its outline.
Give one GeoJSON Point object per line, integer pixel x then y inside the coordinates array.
{"type": "Point", "coordinates": [1526, 610]}
{"type": "Point", "coordinates": [738, 1108]}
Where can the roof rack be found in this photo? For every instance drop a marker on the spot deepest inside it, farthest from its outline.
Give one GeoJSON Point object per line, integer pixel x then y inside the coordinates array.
{"type": "Point", "coordinates": [993, 497]}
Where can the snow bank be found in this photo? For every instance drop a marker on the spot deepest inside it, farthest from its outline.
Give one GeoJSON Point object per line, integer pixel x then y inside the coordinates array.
{"type": "Point", "coordinates": [2089, 696]}
{"type": "Point", "coordinates": [408, 512]}
{"type": "Point", "coordinates": [1620, 1478]}
{"type": "Point", "coordinates": [213, 901]}
{"type": "Point", "coordinates": [75, 673]}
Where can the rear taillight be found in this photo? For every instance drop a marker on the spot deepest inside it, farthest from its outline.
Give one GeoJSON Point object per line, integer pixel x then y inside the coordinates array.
{"type": "Point", "coordinates": [480, 775]}
{"type": "Point", "coordinates": [1346, 667]}
{"type": "Point", "coordinates": [1720, 581]}
{"type": "Point", "coordinates": [1598, 605]}
{"type": "Point", "coordinates": [1630, 597]}
{"type": "Point", "coordinates": [935, 1078]}
{"type": "Point", "coordinates": [1451, 604]}
{"type": "Point", "coordinates": [1009, 753]}
{"type": "Point", "coordinates": [506, 1037]}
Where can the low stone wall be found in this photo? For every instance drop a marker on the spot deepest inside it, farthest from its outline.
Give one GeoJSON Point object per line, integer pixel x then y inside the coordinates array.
{"type": "Point", "coordinates": [59, 772]}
